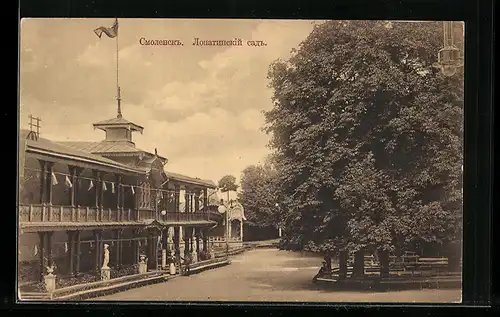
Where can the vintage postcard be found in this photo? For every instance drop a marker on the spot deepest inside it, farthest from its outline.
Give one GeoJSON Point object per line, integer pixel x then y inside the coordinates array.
{"type": "Point", "coordinates": [240, 160]}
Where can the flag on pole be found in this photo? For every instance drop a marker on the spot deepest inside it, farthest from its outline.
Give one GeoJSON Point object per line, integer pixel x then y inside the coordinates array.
{"type": "Point", "coordinates": [133, 191]}
{"type": "Point", "coordinates": [104, 186]}
{"type": "Point", "coordinates": [35, 251]}
{"type": "Point", "coordinates": [111, 32]}
{"type": "Point", "coordinates": [113, 188]}
{"type": "Point", "coordinates": [91, 185]}
{"type": "Point", "coordinates": [54, 179]}
{"type": "Point", "coordinates": [68, 182]}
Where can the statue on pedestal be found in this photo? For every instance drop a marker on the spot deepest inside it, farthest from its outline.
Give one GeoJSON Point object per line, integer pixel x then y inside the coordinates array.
{"type": "Point", "coordinates": [106, 257]}
{"type": "Point", "coordinates": [105, 270]}
{"type": "Point", "coordinates": [50, 279]}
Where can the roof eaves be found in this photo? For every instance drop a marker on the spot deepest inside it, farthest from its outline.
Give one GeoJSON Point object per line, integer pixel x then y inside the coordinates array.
{"type": "Point", "coordinates": [82, 159]}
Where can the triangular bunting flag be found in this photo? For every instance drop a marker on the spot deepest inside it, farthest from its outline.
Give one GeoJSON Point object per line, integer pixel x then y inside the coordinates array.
{"type": "Point", "coordinates": [54, 179]}
{"type": "Point", "coordinates": [133, 191]}
{"type": "Point", "coordinates": [68, 182]}
{"type": "Point", "coordinates": [139, 242]}
{"type": "Point", "coordinates": [113, 188]}
{"type": "Point", "coordinates": [104, 186]}
{"type": "Point", "coordinates": [66, 247]}
{"type": "Point", "coordinates": [91, 185]}
{"type": "Point", "coordinates": [35, 251]}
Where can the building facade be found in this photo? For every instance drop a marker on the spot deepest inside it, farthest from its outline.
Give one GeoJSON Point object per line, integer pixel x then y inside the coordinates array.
{"type": "Point", "coordinates": [75, 197]}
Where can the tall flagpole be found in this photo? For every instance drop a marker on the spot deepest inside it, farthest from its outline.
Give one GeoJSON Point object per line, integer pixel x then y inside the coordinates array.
{"type": "Point", "coordinates": [118, 97]}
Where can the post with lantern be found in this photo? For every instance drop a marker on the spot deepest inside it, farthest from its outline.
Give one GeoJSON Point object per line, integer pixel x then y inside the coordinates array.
{"type": "Point", "coordinates": [450, 58]}
{"type": "Point", "coordinates": [225, 210]}
{"type": "Point", "coordinates": [279, 222]}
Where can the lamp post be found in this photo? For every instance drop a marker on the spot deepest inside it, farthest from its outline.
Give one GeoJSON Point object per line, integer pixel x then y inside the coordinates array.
{"type": "Point", "coordinates": [279, 222]}
{"type": "Point", "coordinates": [225, 210]}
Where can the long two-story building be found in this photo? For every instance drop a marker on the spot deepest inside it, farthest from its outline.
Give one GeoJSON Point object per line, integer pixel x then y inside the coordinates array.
{"type": "Point", "coordinates": [75, 197]}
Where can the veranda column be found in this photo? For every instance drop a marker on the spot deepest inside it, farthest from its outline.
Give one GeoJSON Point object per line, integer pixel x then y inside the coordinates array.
{"type": "Point", "coordinates": [117, 248]}
{"type": "Point", "coordinates": [41, 253]}
{"type": "Point", "coordinates": [77, 264]}
{"type": "Point", "coordinates": [101, 196]}
{"type": "Point", "coordinates": [72, 190]}
{"type": "Point", "coordinates": [49, 190]}
{"type": "Point", "coordinates": [194, 249]}
{"type": "Point", "coordinates": [197, 201]}
{"type": "Point", "coordinates": [187, 199]}
{"type": "Point", "coordinates": [205, 199]}
{"type": "Point", "coordinates": [96, 251]}
{"type": "Point", "coordinates": [177, 246]}
{"type": "Point", "coordinates": [152, 256]}
{"type": "Point", "coordinates": [205, 241]}
{"type": "Point", "coordinates": [118, 195]}
{"type": "Point", "coordinates": [49, 248]}
{"type": "Point", "coordinates": [136, 250]}
{"type": "Point", "coordinates": [187, 239]}
{"type": "Point", "coordinates": [71, 252]}
{"type": "Point", "coordinates": [97, 176]}
{"type": "Point", "coordinates": [43, 182]}
{"type": "Point", "coordinates": [49, 182]}
{"type": "Point", "coordinates": [76, 186]}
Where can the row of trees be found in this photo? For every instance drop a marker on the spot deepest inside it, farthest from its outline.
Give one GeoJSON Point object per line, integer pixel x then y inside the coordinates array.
{"type": "Point", "coordinates": [368, 139]}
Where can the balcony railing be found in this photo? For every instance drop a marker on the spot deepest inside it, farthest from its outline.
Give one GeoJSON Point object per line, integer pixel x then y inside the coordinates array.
{"type": "Point", "coordinates": [179, 216]}
{"type": "Point", "coordinates": [49, 213]}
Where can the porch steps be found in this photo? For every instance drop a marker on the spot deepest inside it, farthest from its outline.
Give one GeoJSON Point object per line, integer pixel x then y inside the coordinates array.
{"type": "Point", "coordinates": [110, 289]}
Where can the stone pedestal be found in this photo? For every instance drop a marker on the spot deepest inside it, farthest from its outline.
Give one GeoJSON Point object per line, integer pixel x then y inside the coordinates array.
{"type": "Point", "coordinates": [143, 268]}
{"type": "Point", "coordinates": [105, 273]}
{"type": "Point", "coordinates": [172, 269]}
{"type": "Point", "coordinates": [143, 264]}
{"type": "Point", "coordinates": [164, 259]}
{"type": "Point", "coordinates": [50, 282]}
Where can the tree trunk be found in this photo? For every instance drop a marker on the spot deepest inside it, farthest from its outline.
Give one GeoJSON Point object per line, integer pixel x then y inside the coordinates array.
{"type": "Point", "coordinates": [454, 257]}
{"type": "Point", "coordinates": [343, 256]}
{"type": "Point", "coordinates": [383, 256]}
{"type": "Point", "coordinates": [359, 263]}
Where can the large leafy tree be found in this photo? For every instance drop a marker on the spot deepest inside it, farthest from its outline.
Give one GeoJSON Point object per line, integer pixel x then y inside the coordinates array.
{"type": "Point", "coordinates": [259, 195]}
{"type": "Point", "coordinates": [227, 184]}
{"type": "Point", "coordinates": [369, 138]}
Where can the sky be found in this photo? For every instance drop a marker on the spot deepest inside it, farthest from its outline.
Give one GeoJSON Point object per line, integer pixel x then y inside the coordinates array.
{"type": "Point", "coordinates": [201, 107]}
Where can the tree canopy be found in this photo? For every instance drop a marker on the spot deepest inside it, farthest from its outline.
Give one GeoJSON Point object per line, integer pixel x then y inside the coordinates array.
{"type": "Point", "coordinates": [258, 194]}
{"type": "Point", "coordinates": [228, 183]}
{"type": "Point", "coordinates": [369, 138]}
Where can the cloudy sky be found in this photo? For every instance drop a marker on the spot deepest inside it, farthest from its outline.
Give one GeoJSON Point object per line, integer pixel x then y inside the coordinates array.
{"type": "Point", "coordinates": [201, 107]}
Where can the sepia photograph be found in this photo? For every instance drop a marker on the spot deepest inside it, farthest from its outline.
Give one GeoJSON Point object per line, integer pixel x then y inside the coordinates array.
{"type": "Point", "coordinates": [240, 160]}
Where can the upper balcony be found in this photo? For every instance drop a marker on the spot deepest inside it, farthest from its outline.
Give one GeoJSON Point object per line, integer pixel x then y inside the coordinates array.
{"type": "Point", "coordinates": [41, 217]}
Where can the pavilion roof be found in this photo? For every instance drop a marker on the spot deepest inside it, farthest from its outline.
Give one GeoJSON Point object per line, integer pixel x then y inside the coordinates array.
{"type": "Point", "coordinates": [118, 122]}
{"type": "Point", "coordinates": [56, 149]}
{"type": "Point", "coordinates": [190, 180]}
